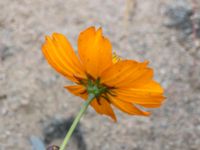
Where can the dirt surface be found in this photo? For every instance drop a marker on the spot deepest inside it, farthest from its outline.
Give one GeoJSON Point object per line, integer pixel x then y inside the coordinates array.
{"type": "Point", "coordinates": [32, 97]}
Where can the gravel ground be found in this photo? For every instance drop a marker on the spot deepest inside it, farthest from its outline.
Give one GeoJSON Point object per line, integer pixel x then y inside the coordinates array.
{"type": "Point", "coordinates": [32, 97]}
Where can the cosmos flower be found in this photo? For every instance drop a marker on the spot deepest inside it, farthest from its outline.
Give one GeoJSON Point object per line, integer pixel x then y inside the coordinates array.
{"type": "Point", "coordinates": [125, 84]}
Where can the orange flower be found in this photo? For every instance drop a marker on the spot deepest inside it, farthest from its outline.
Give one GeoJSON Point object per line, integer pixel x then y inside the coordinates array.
{"type": "Point", "coordinates": [125, 84]}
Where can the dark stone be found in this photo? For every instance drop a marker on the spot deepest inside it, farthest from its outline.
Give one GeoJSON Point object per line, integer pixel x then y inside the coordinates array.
{"type": "Point", "coordinates": [180, 19]}
{"type": "Point", "coordinates": [5, 52]}
{"type": "Point", "coordinates": [3, 97]}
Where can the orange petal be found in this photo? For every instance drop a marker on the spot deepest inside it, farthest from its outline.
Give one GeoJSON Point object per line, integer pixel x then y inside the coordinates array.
{"type": "Point", "coordinates": [148, 95]}
{"type": "Point", "coordinates": [127, 107]}
{"type": "Point", "coordinates": [103, 107]}
{"type": "Point", "coordinates": [151, 105]}
{"type": "Point", "coordinates": [95, 51]}
{"type": "Point", "coordinates": [60, 55]}
{"type": "Point", "coordinates": [77, 90]}
{"type": "Point", "coordinates": [127, 73]}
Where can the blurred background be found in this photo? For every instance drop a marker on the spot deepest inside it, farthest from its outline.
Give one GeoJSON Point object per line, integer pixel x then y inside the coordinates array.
{"type": "Point", "coordinates": [35, 109]}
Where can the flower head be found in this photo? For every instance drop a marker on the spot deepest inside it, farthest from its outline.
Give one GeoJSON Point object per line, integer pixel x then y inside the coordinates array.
{"type": "Point", "coordinates": [124, 84]}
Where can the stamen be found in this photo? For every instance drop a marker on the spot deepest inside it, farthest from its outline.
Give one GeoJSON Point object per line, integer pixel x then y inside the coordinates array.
{"type": "Point", "coordinates": [116, 58]}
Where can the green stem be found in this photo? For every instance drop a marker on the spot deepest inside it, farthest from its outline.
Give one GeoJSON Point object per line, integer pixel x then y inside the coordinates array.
{"type": "Point", "coordinates": [76, 121]}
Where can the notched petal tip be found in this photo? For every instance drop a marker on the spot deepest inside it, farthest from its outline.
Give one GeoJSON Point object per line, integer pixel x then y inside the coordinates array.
{"type": "Point", "coordinates": [59, 36]}
{"type": "Point", "coordinates": [90, 30]}
{"type": "Point", "coordinates": [56, 34]}
{"type": "Point", "coordinates": [47, 38]}
{"type": "Point", "coordinates": [99, 31]}
{"type": "Point", "coordinates": [100, 28]}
